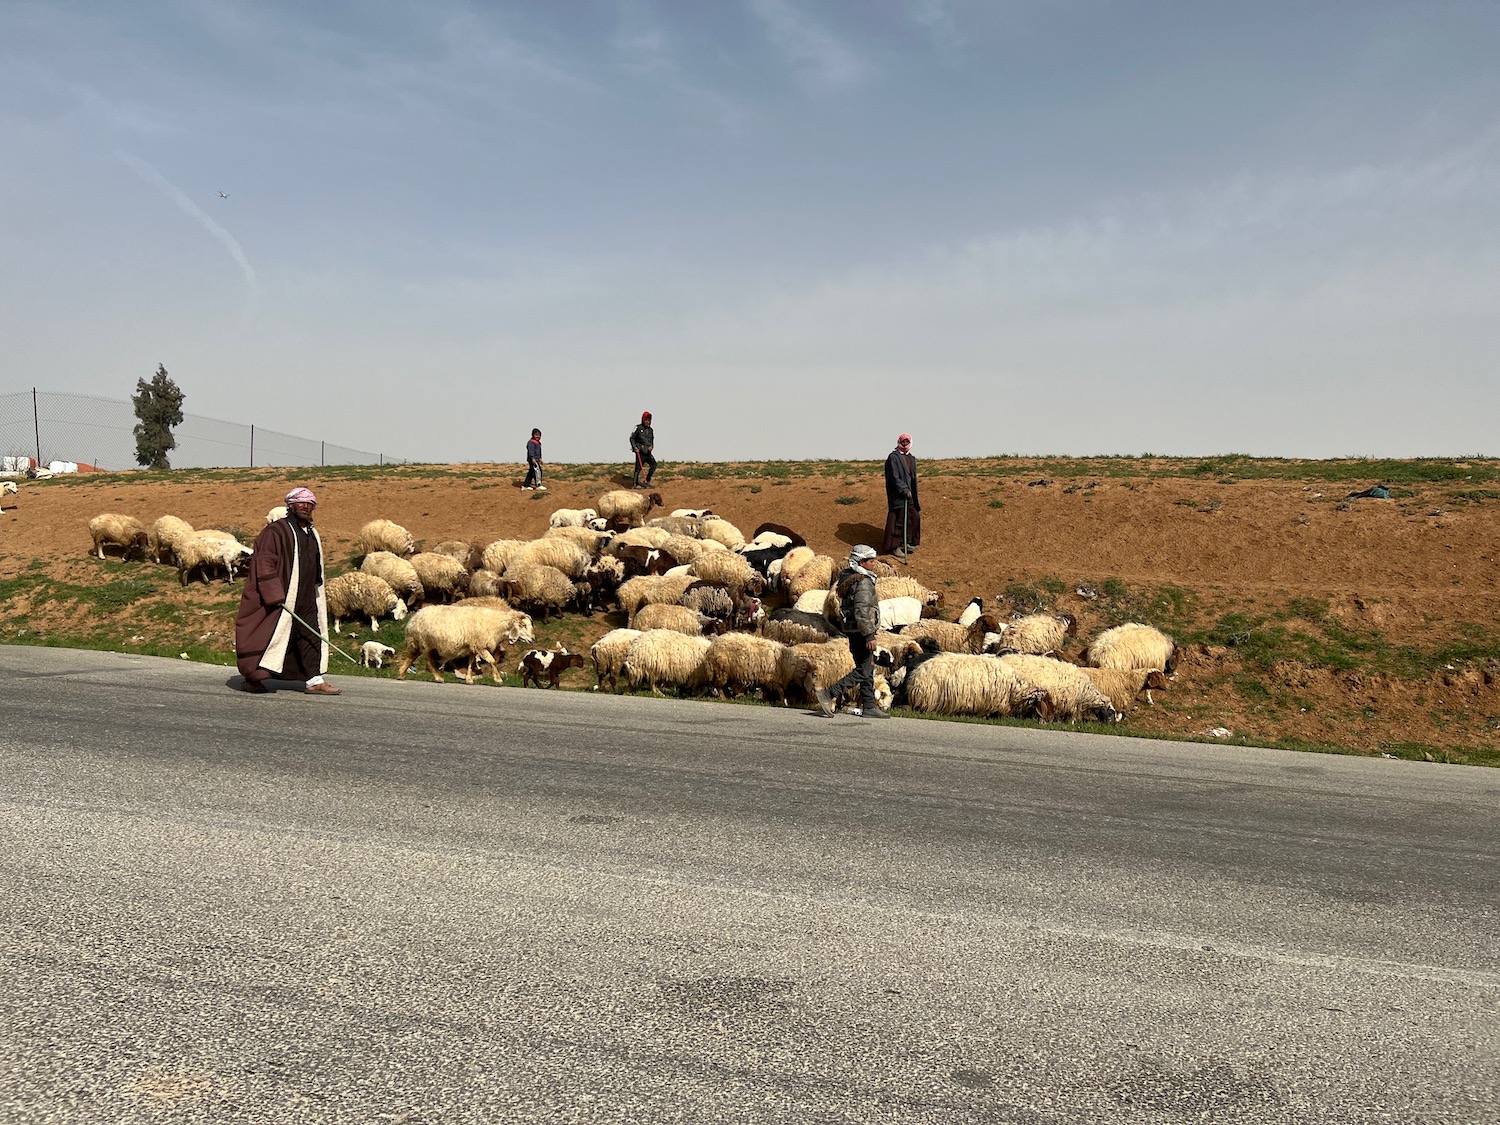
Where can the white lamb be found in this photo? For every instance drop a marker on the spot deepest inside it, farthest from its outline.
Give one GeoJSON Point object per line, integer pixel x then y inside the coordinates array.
{"type": "Point", "coordinates": [372, 654]}
{"type": "Point", "coordinates": [572, 517]}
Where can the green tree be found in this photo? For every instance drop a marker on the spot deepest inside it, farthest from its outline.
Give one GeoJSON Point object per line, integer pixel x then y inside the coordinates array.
{"type": "Point", "coordinates": [158, 405]}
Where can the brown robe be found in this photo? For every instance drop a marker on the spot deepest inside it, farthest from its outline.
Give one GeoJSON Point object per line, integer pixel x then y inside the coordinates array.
{"type": "Point", "coordinates": [267, 641]}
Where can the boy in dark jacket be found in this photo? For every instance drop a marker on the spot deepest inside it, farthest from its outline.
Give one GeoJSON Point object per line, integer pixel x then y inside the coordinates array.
{"type": "Point", "coordinates": [642, 441]}
{"type": "Point", "coordinates": [533, 462]}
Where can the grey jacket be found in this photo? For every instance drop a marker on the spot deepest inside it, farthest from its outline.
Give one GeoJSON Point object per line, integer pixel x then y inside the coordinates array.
{"type": "Point", "coordinates": [859, 609]}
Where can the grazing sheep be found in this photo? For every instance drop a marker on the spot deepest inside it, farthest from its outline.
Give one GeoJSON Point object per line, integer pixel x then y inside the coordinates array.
{"type": "Point", "coordinates": [723, 602]}
{"type": "Point", "coordinates": [1038, 634]}
{"type": "Point", "coordinates": [651, 537]}
{"type": "Point", "coordinates": [590, 540]}
{"type": "Point", "coordinates": [1123, 686]}
{"type": "Point", "coordinates": [1133, 645]}
{"type": "Point", "coordinates": [163, 537]}
{"type": "Point", "coordinates": [814, 666]}
{"type": "Point", "coordinates": [398, 573]}
{"type": "Point", "coordinates": [963, 684]}
{"type": "Point", "coordinates": [372, 654]}
{"type": "Point", "coordinates": [470, 554]}
{"type": "Point", "coordinates": [728, 569]}
{"type": "Point", "coordinates": [358, 594]}
{"type": "Point", "coordinates": [792, 627]}
{"type": "Point", "coordinates": [276, 513]}
{"type": "Point", "coordinates": [203, 552]}
{"type": "Point", "coordinates": [383, 535]}
{"type": "Point", "coordinates": [1072, 694]}
{"type": "Point", "coordinates": [813, 601]}
{"type": "Point", "coordinates": [486, 584]}
{"type": "Point", "coordinates": [550, 663]}
{"type": "Point", "coordinates": [744, 662]}
{"type": "Point", "coordinates": [572, 517]}
{"type": "Point", "coordinates": [445, 633]}
{"type": "Point", "coordinates": [693, 513]}
{"type": "Point", "coordinates": [952, 637]}
{"type": "Point", "coordinates": [652, 589]}
{"type": "Point", "coordinates": [609, 653]}
{"type": "Point", "coordinates": [815, 574]}
{"type": "Point", "coordinates": [599, 584]}
{"type": "Point", "coordinates": [685, 549]}
{"type": "Point", "coordinates": [662, 656]}
{"type": "Point", "coordinates": [539, 589]}
{"type": "Point", "coordinates": [443, 579]}
{"type": "Point", "coordinates": [689, 526]}
{"type": "Point", "coordinates": [560, 554]}
{"type": "Point", "coordinates": [496, 556]}
{"type": "Point", "coordinates": [623, 508]}
{"type": "Point", "coordinates": [114, 530]}
{"type": "Point", "coordinates": [902, 586]}
{"type": "Point", "coordinates": [720, 530]}
{"type": "Point", "coordinates": [675, 617]}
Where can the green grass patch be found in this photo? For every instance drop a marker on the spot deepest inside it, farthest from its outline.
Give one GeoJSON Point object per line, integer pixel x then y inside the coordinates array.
{"type": "Point", "coordinates": [849, 500]}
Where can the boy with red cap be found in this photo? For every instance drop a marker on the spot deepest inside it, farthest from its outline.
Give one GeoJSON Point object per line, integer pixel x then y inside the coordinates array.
{"type": "Point", "coordinates": [286, 573]}
{"type": "Point", "coordinates": [903, 521]}
{"type": "Point", "coordinates": [642, 440]}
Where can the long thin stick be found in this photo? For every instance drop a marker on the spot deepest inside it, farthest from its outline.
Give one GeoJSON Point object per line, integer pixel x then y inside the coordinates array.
{"type": "Point", "coordinates": [905, 551]}
{"type": "Point", "coordinates": [319, 635]}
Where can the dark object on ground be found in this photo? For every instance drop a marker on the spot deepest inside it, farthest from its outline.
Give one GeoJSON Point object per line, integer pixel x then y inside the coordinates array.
{"type": "Point", "coordinates": [1379, 492]}
{"type": "Point", "coordinates": [1043, 483]}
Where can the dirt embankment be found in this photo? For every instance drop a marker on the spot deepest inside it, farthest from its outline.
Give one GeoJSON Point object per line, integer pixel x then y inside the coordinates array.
{"type": "Point", "coordinates": [1363, 623]}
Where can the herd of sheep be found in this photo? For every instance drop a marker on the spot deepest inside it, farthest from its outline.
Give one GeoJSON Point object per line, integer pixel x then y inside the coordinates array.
{"type": "Point", "coordinates": [706, 609]}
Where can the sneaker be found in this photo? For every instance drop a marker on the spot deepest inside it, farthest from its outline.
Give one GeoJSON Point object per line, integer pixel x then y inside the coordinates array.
{"type": "Point", "coordinates": [825, 701]}
{"type": "Point", "coordinates": [876, 713]}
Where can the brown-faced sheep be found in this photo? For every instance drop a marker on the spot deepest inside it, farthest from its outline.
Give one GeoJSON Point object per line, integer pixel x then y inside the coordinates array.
{"type": "Point", "coordinates": [1122, 686]}
{"type": "Point", "coordinates": [953, 637]}
{"type": "Point", "coordinates": [623, 508]}
{"type": "Point", "coordinates": [1072, 694]}
{"type": "Point", "coordinates": [111, 529]}
{"type": "Point", "coordinates": [538, 589]}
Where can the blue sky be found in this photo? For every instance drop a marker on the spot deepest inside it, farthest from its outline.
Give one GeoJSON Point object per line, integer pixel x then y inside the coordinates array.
{"type": "Point", "coordinates": [789, 229]}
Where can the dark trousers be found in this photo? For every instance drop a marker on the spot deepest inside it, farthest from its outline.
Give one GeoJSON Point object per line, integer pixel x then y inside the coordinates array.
{"type": "Point", "coordinates": [863, 676]}
{"type": "Point", "coordinates": [644, 460]}
{"type": "Point", "coordinates": [892, 540]}
{"type": "Point", "coordinates": [533, 474]}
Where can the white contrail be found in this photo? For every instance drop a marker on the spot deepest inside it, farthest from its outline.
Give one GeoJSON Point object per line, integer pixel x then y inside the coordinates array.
{"type": "Point", "coordinates": [201, 217]}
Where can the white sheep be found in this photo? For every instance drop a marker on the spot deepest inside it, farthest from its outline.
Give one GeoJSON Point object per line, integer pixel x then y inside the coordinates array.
{"type": "Point", "coordinates": [590, 540]}
{"type": "Point", "coordinates": [1038, 634]}
{"type": "Point", "coordinates": [110, 529]}
{"type": "Point", "coordinates": [652, 589]}
{"type": "Point", "coordinates": [722, 531]}
{"type": "Point", "coordinates": [952, 637]}
{"type": "Point", "coordinates": [497, 555]}
{"type": "Point", "coordinates": [1070, 691]}
{"type": "Point", "coordinates": [693, 513]}
{"type": "Point", "coordinates": [1122, 686]}
{"type": "Point", "coordinates": [624, 508]}
{"type": "Point", "coordinates": [465, 552]}
{"type": "Point", "coordinates": [811, 601]}
{"type": "Point", "coordinates": [970, 611]}
{"type": "Point", "coordinates": [904, 586]}
{"type": "Point", "coordinates": [744, 662]}
{"type": "Point", "coordinates": [383, 535]}
{"type": "Point", "coordinates": [794, 560]}
{"type": "Point", "coordinates": [443, 578]}
{"type": "Point", "coordinates": [276, 513]}
{"type": "Point", "coordinates": [486, 584]}
{"type": "Point", "coordinates": [728, 569]}
{"type": "Point", "coordinates": [572, 517]}
{"type": "Point", "coordinates": [896, 612]}
{"type": "Point", "coordinates": [560, 554]}
{"type": "Point", "coordinates": [203, 551]}
{"type": "Point", "coordinates": [662, 656]}
{"type": "Point", "coordinates": [538, 588]}
{"type": "Point", "coordinates": [609, 653]}
{"type": "Point", "coordinates": [445, 633]}
{"type": "Point", "coordinates": [816, 665]}
{"type": "Point", "coordinates": [815, 574]}
{"type": "Point", "coordinates": [1133, 645]}
{"type": "Point", "coordinates": [164, 535]}
{"type": "Point", "coordinates": [373, 654]}
{"type": "Point", "coordinates": [676, 617]}
{"type": "Point", "coordinates": [652, 537]}
{"type": "Point", "coordinates": [963, 684]}
{"type": "Point", "coordinates": [358, 594]}
{"type": "Point", "coordinates": [398, 573]}
{"type": "Point", "coordinates": [691, 526]}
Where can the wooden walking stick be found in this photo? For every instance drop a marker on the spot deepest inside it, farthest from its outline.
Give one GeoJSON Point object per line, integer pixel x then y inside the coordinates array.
{"type": "Point", "coordinates": [905, 550]}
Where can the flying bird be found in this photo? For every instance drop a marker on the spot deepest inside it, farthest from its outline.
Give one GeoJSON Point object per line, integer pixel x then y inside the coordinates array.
{"type": "Point", "coordinates": [223, 195]}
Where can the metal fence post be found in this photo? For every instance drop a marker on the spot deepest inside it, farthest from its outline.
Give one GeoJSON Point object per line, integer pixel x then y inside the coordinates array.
{"type": "Point", "coordinates": [37, 426]}
{"type": "Point", "coordinates": [252, 445]}
{"type": "Point", "coordinates": [322, 453]}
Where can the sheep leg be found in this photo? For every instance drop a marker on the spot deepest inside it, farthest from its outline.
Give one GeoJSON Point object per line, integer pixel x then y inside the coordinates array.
{"type": "Point", "coordinates": [433, 664]}
{"type": "Point", "coordinates": [373, 626]}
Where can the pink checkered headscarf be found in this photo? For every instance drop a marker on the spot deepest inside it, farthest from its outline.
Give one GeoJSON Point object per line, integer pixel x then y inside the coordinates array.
{"type": "Point", "coordinates": [300, 496]}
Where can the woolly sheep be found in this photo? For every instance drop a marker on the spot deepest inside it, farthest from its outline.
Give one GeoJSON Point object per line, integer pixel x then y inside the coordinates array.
{"type": "Point", "coordinates": [203, 552]}
{"type": "Point", "coordinates": [467, 553]}
{"type": "Point", "coordinates": [812, 601]}
{"type": "Point", "coordinates": [1072, 694]}
{"type": "Point", "coordinates": [1123, 685]}
{"type": "Point", "coordinates": [539, 663]}
{"type": "Point", "coordinates": [684, 549]}
{"type": "Point", "coordinates": [661, 656]}
{"type": "Point", "coordinates": [276, 513]}
{"type": "Point", "coordinates": [445, 633]}
{"type": "Point", "coordinates": [560, 554]}
{"type": "Point", "coordinates": [691, 526]}
{"type": "Point", "coordinates": [539, 589]}
{"type": "Point", "coordinates": [654, 537]}
{"type": "Point", "coordinates": [952, 637]}
{"type": "Point", "coordinates": [572, 517]}
{"type": "Point", "coordinates": [608, 653]}
{"type": "Point", "coordinates": [730, 569]}
{"type": "Point", "coordinates": [111, 529]}
{"type": "Point", "coordinates": [694, 513]}
{"type": "Point", "coordinates": [164, 535]}
{"type": "Point", "coordinates": [814, 666]}
{"type": "Point", "coordinates": [443, 579]}
{"type": "Point", "coordinates": [591, 541]}
{"type": "Point", "coordinates": [795, 559]}
{"type": "Point", "coordinates": [653, 589]}
{"type": "Point", "coordinates": [358, 594]}
{"type": "Point", "coordinates": [486, 584]}
{"type": "Point", "coordinates": [721, 602]}
{"type": "Point", "coordinates": [372, 654]}
{"type": "Point", "coordinates": [627, 509]}
{"type": "Point", "coordinates": [816, 574]}
{"type": "Point", "coordinates": [902, 586]}
{"type": "Point", "coordinates": [398, 573]}
{"type": "Point", "coordinates": [1038, 634]}
{"type": "Point", "coordinates": [722, 531]}
{"type": "Point", "coordinates": [676, 617]}
{"type": "Point", "coordinates": [496, 556]}
{"type": "Point", "coordinates": [767, 529]}
{"type": "Point", "coordinates": [383, 535]}
{"type": "Point", "coordinates": [963, 684]}
{"type": "Point", "coordinates": [743, 662]}
{"type": "Point", "coordinates": [1133, 645]}
{"type": "Point", "coordinates": [793, 628]}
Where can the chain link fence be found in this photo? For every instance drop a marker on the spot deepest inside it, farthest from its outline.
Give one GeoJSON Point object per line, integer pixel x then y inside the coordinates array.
{"type": "Point", "coordinates": [100, 432]}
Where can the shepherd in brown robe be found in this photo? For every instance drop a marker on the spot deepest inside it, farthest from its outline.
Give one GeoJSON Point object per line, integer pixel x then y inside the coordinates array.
{"type": "Point", "coordinates": [285, 571]}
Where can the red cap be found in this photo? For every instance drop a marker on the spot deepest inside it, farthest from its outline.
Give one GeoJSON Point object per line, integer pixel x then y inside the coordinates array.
{"type": "Point", "coordinates": [645, 414]}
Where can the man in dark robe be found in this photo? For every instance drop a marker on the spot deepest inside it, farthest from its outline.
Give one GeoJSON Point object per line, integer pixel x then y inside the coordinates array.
{"type": "Point", "coordinates": [903, 521]}
{"type": "Point", "coordinates": [286, 571]}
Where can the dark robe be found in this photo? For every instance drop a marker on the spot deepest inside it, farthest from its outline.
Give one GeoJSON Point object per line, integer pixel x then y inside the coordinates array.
{"type": "Point", "coordinates": [903, 503]}
{"type": "Point", "coordinates": [287, 567]}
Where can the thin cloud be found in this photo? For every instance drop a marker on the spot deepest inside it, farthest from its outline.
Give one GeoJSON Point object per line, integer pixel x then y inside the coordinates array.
{"type": "Point", "coordinates": [815, 53]}
{"type": "Point", "coordinates": [199, 216]}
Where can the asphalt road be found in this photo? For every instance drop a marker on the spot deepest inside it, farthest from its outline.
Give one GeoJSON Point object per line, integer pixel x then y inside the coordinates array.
{"type": "Point", "coordinates": [421, 903]}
